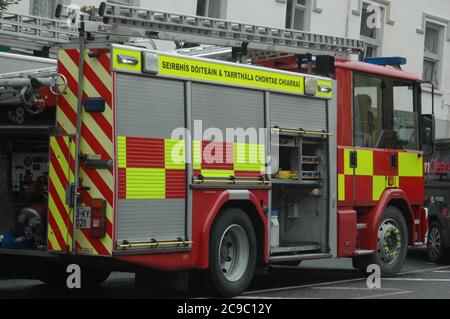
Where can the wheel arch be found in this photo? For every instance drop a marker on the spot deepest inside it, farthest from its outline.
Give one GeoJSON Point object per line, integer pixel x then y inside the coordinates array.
{"type": "Point", "coordinates": [398, 199]}
{"type": "Point", "coordinates": [252, 207]}
{"type": "Point", "coordinates": [403, 206]}
{"type": "Point", "coordinates": [252, 212]}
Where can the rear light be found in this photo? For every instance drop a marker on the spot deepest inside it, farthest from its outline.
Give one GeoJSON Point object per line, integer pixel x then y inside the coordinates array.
{"type": "Point", "coordinates": [98, 218]}
{"type": "Point", "coordinates": [445, 212]}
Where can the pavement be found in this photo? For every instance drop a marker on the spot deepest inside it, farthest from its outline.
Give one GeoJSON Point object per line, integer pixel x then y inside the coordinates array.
{"type": "Point", "coordinates": [324, 279]}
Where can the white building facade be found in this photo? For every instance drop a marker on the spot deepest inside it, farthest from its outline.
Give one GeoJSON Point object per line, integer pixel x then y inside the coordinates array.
{"type": "Point", "coordinates": [415, 29]}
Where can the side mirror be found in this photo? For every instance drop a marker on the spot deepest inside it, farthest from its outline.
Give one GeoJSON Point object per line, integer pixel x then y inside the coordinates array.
{"type": "Point", "coordinates": [427, 133]}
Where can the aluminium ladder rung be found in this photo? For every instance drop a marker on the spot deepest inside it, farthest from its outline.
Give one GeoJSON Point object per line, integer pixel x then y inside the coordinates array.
{"type": "Point", "coordinates": [167, 26]}
{"type": "Point", "coordinates": [32, 32]}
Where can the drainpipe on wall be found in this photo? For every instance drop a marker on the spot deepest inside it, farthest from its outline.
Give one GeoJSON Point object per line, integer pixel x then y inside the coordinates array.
{"type": "Point", "coordinates": [349, 9]}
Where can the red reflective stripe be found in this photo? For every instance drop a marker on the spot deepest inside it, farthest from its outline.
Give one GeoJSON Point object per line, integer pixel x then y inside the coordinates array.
{"type": "Point", "coordinates": [92, 77]}
{"type": "Point", "coordinates": [93, 142]}
{"type": "Point", "coordinates": [59, 171]}
{"type": "Point", "coordinates": [340, 161]}
{"type": "Point", "coordinates": [98, 84]}
{"type": "Point", "coordinates": [98, 181]}
{"type": "Point", "coordinates": [175, 183]}
{"type": "Point", "coordinates": [96, 244]}
{"type": "Point", "coordinates": [49, 244]}
{"type": "Point", "coordinates": [99, 118]}
{"type": "Point", "coordinates": [248, 174]}
{"type": "Point", "coordinates": [145, 152]}
{"type": "Point", "coordinates": [56, 231]}
{"type": "Point", "coordinates": [72, 83]}
{"type": "Point", "coordinates": [68, 111]}
{"type": "Point", "coordinates": [61, 208]}
{"type": "Point", "coordinates": [379, 163]}
{"type": "Point", "coordinates": [59, 126]}
{"type": "Point", "coordinates": [105, 61]}
{"type": "Point", "coordinates": [122, 194]}
{"type": "Point", "coordinates": [103, 123]}
{"type": "Point", "coordinates": [63, 147]}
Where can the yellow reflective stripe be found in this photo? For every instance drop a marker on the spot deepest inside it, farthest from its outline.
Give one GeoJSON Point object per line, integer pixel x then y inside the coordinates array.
{"type": "Point", "coordinates": [174, 154]}
{"type": "Point", "coordinates": [365, 163]}
{"type": "Point", "coordinates": [60, 192]}
{"type": "Point", "coordinates": [341, 187]}
{"type": "Point", "coordinates": [52, 239]}
{"type": "Point", "coordinates": [146, 183]}
{"type": "Point", "coordinates": [61, 117]}
{"type": "Point", "coordinates": [347, 169]}
{"type": "Point", "coordinates": [122, 151]}
{"type": "Point", "coordinates": [378, 187]}
{"type": "Point", "coordinates": [126, 54]}
{"type": "Point", "coordinates": [217, 173]}
{"type": "Point", "coordinates": [98, 68]}
{"type": "Point", "coordinates": [410, 164]}
{"type": "Point", "coordinates": [326, 84]}
{"type": "Point", "coordinates": [196, 155]}
{"type": "Point", "coordinates": [249, 157]}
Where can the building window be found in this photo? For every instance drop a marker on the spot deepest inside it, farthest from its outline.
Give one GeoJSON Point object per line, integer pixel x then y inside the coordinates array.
{"type": "Point", "coordinates": [371, 28]}
{"type": "Point", "coordinates": [432, 55]}
{"type": "Point", "coordinates": [211, 8]}
{"type": "Point", "coordinates": [43, 8]}
{"type": "Point", "coordinates": [298, 14]}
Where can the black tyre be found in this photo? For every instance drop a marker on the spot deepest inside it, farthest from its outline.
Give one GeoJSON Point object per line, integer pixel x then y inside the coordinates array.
{"type": "Point", "coordinates": [232, 253]}
{"type": "Point", "coordinates": [392, 245]}
{"type": "Point", "coordinates": [436, 249]}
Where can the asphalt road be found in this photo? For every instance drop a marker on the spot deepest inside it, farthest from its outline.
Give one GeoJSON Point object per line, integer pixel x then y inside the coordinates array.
{"type": "Point", "coordinates": [315, 279]}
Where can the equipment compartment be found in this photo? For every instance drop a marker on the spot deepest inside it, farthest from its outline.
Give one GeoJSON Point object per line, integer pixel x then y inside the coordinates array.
{"type": "Point", "coordinates": [24, 158]}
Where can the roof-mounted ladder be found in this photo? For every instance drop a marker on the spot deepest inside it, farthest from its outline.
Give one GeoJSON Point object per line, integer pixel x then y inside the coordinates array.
{"type": "Point", "coordinates": [121, 20]}
{"type": "Point", "coordinates": [33, 33]}
{"type": "Point", "coordinates": [39, 34]}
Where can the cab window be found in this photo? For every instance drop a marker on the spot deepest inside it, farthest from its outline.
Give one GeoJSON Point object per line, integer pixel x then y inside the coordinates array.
{"type": "Point", "coordinates": [406, 119]}
{"type": "Point", "coordinates": [367, 110]}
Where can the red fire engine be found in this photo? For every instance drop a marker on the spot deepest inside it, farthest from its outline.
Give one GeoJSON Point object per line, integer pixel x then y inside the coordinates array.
{"type": "Point", "coordinates": [165, 163]}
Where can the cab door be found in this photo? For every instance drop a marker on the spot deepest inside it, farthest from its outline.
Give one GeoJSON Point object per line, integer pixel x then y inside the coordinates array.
{"type": "Point", "coordinates": [407, 163]}
{"type": "Point", "coordinates": [371, 137]}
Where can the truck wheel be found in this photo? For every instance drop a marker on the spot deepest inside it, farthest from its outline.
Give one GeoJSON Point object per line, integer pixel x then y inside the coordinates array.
{"type": "Point", "coordinates": [232, 253]}
{"type": "Point", "coordinates": [436, 249]}
{"type": "Point", "coordinates": [392, 245]}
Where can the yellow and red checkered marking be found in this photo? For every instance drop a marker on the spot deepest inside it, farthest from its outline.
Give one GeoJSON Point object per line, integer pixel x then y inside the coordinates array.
{"type": "Point", "coordinates": [374, 174]}
{"type": "Point", "coordinates": [151, 168]}
{"type": "Point", "coordinates": [214, 159]}
{"type": "Point", "coordinates": [155, 168]}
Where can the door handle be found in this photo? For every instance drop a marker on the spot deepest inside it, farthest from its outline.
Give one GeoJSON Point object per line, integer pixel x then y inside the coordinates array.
{"type": "Point", "coordinates": [353, 159]}
{"type": "Point", "coordinates": [394, 164]}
